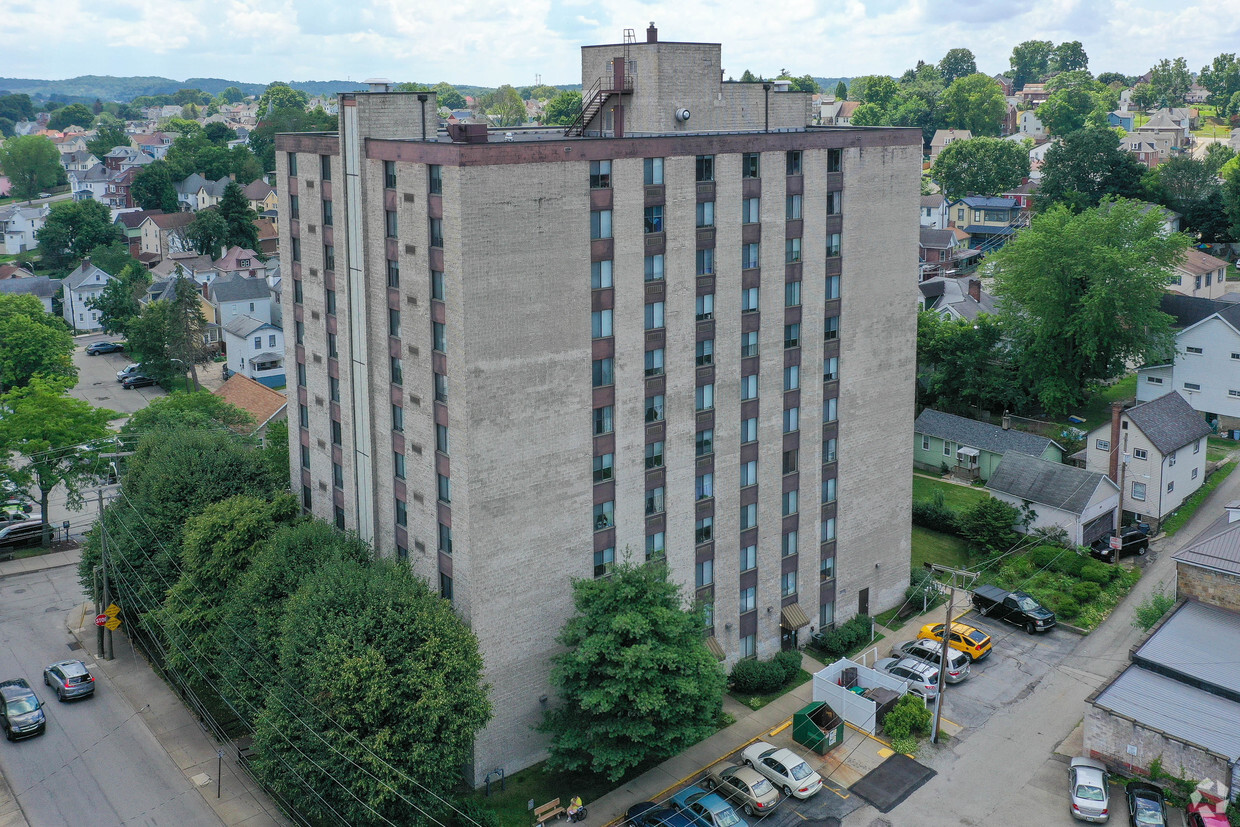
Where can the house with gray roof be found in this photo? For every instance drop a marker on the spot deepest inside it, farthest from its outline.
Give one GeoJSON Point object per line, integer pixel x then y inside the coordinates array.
{"type": "Point", "coordinates": [1208, 568]}
{"type": "Point", "coordinates": [971, 449]}
{"type": "Point", "coordinates": [1156, 451]}
{"type": "Point", "coordinates": [1177, 701]}
{"type": "Point", "coordinates": [18, 226]}
{"type": "Point", "coordinates": [78, 289]}
{"type": "Point", "coordinates": [255, 349]}
{"type": "Point", "coordinates": [1080, 502]}
{"type": "Point", "coordinates": [235, 295]}
{"type": "Point", "coordinates": [41, 287]}
{"type": "Point", "coordinates": [956, 297]}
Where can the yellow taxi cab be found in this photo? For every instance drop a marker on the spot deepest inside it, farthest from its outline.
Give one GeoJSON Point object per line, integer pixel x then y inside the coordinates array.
{"type": "Point", "coordinates": [973, 642]}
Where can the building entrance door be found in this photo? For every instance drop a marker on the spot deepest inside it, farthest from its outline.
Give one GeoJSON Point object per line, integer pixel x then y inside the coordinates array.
{"type": "Point", "coordinates": [863, 602]}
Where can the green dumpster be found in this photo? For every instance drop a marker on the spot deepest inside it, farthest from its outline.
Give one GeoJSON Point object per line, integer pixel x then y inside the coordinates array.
{"type": "Point", "coordinates": [818, 727]}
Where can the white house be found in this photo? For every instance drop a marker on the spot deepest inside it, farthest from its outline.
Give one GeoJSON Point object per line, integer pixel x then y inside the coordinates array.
{"type": "Point", "coordinates": [1080, 502]}
{"type": "Point", "coordinates": [41, 287]}
{"type": "Point", "coordinates": [1155, 450]}
{"type": "Point", "coordinates": [255, 349]}
{"type": "Point", "coordinates": [235, 296]}
{"type": "Point", "coordinates": [90, 183]}
{"type": "Point", "coordinates": [934, 212]}
{"type": "Point", "coordinates": [1199, 274]}
{"type": "Point", "coordinates": [18, 226]}
{"type": "Point", "coordinates": [1030, 126]}
{"type": "Point", "coordinates": [1206, 366]}
{"type": "Point", "coordinates": [78, 288]}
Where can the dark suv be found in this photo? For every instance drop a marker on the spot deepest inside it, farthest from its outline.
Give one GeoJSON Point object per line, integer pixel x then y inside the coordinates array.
{"type": "Point", "coordinates": [22, 712]}
{"type": "Point", "coordinates": [1132, 541]}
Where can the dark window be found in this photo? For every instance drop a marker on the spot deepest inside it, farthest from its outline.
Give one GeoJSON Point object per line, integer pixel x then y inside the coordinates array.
{"type": "Point", "coordinates": [389, 223]}
{"type": "Point", "coordinates": [604, 467]}
{"type": "Point", "coordinates": [336, 433]}
{"type": "Point", "coordinates": [294, 207]}
{"type": "Point", "coordinates": [329, 301]}
{"type": "Point", "coordinates": [338, 513]}
{"type": "Point", "coordinates": [600, 175]}
{"type": "Point", "coordinates": [653, 169]}
{"type": "Point", "coordinates": [834, 199]}
{"type": "Point", "coordinates": [441, 439]}
{"type": "Point", "coordinates": [398, 418]}
{"type": "Point", "coordinates": [792, 335]}
{"type": "Point", "coordinates": [398, 465]}
{"type": "Point", "coordinates": [402, 513]}
{"type": "Point", "coordinates": [292, 163]}
{"type": "Point", "coordinates": [299, 331]}
{"type": "Point", "coordinates": [305, 456]}
{"type": "Point", "coordinates": [704, 442]}
{"type": "Point", "coordinates": [393, 273]}
{"type": "Point", "coordinates": [445, 587]}
{"type": "Point", "coordinates": [445, 538]}
{"type": "Point", "coordinates": [301, 374]}
{"type": "Point", "coordinates": [389, 174]}
{"type": "Point", "coordinates": [325, 167]}
{"type": "Point", "coordinates": [333, 388]}
{"type": "Point", "coordinates": [337, 475]}
{"type": "Point", "coordinates": [750, 165]}
{"type": "Point", "coordinates": [332, 352]}
{"type": "Point", "coordinates": [706, 352]}
{"type": "Point", "coordinates": [706, 261]}
{"type": "Point", "coordinates": [439, 337]}
{"type": "Point", "coordinates": [603, 561]}
{"type": "Point", "coordinates": [603, 372]}
{"type": "Point", "coordinates": [296, 244]}
{"type": "Point", "coordinates": [654, 219]}
{"type": "Point", "coordinates": [297, 295]}
{"type": "Point", "coordinates": [792, 162]}
{"type": "Point", "coordinates": [441, 388]}
{"type": "Point", "coordinates": [831, 328]}
{"type": "Point", "coordinates": [436, 179]}
{"type": "Point", "coordinates": [437, 285]}
{"type": "Point", "coordinates": [398, 371]}
{"type": "Point", "coordinates": [329, 257]}
{"type": "Point", "coordinates": [436, 232]}
{"type": "Point", "coordinates": [834, 160]}
{"type": "Point", "coordinates": [393, 322]}
{"type": "Point", "coordinates": [443, 488]}
{"type": "Point", "coordinates": [306, 502]}
{"type": "Point", "coordinates": [604, 420]}
{"type": "Point", "coordinates": [790, 461]}
{"type": "Point", "coordinates": [327, 213]}
{"type": "Point", "coordinates": [705, 168]}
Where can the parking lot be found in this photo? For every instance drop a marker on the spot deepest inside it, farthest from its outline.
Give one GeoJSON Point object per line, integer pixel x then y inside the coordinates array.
{"type": "Point", "coordinates": [97, 379]}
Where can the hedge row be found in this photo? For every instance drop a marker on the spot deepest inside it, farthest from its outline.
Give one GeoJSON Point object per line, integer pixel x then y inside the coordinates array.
{"type": "Point", "coordinates": [758, 677]}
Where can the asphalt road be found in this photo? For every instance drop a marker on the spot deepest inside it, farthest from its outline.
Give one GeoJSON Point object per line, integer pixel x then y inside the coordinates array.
{"type": "Point", "coordinates": [97, 379]}
{"type": "Point", "coordinates": [97, 763]}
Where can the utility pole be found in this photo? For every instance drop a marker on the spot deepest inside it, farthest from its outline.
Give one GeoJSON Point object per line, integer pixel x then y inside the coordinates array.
{"type": "Point", "coordinates": [105, 650]}
{"type": "Point", "coordinates": [938, 700]}
{"type": "Point", "coordinates": [99, 605]}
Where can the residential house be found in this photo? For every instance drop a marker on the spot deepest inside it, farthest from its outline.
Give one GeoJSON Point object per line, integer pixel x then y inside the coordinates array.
{"type": "Point", "coordinates": [263, 404]}
{"type": "Point", "coordinates": [78, 160]}
{"type": "Point", "coordinates": [130, 222]}
{"type": "Point", "coordinates": [1122, 118]}
{"type": "Point", "coordinates": [971, 449]}
{"type": "Point", "coordinates": [1233, 140]}
{"type": "Point", "coordinates": [1205, 368]}
{"type": "Point", "coordinates": [844, 112]}
{"type": "Point", "coordinates": [1033, 94]}
{"type": "Point", "coordinates": [1165, 131]}
{"type": "Point", "coordinates": [164, 235]}
{"type": "Point", "coordinates": [255, 349]}
{"type": "Point", "coordinates": [18, 226]}
{"type": "Point", "coordinates": [956, 297]}
{"type": "Point", "coordinates": [116, 195]}
{"type": "Point", "coordinates": [241, 261]}
{"type": "Point", "coordinates": [1172, 220]}
{"type": "Point", "coordinates": [1030, 126]}
{"type": "Point", "coordinates": [155, 144]}
{"type": "Point", "coordinates": [1037, 154]}
{"type": "Point", "coordinates": [1186, 117]}
{"type": "Point", "coordinates": [187, 191]}
{"type": "Point", "coordinates": [1146, 152]}
{"type": "Point", "coordinates": [1010, 124]}
{"type": "Point", "coordinates": [268, 236]}
{"type": "Point", "coordinates": [78, 289]}
{"type": "Point", "coordinates": [1208, 568]}
{"type": "Point", "coordinates": [69, 144]}
{"type": "Point", "coordinates": [261, 196]}
{"type": "Point", "coordinates": [1197, 94]}
{"type": "Point", "coordinates": [1155, 451]}
{"type": "Point", "coordinates": [41, 287]}
{"type": "Point", "coordinates": [188, 264]}
{"type": "Point", "coordinates": [234, 296]}
{"type": "Point", "coordinates": [1199, 274]}
{"type": "Point", "coordinates": [1023, 193]}
{"type": "Point", "coordinates": [938, 252]}
{"type": "Point", "coordinates": [14, 271]}
{"type": "Point", "coordinates": [943, 137]}
{"type": "Point", "coordinates": [934, 212]}
{"type": "Point", "coordinates": [1053, 495]}
{"type": "Point", "coordinates": [989, 221]}
{"type": "Point", "coordinates": [1177, 701]}
{"type": "Point", "coordinates": [1005, 83]}
{"type": "Point", "coordinates": [87, 184]}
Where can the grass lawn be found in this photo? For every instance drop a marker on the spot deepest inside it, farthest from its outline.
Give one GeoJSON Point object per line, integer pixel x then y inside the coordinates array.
{"type": "Point", "coordinates": [936, 547]}
{"type": "Point", "coordinates": [759, 701]}
{"type": "Point", "coordinates": [541, 786]}
{"type": "Point", "coordinates": [1182, 514]}
{"type": "Point", "coordinates": [889, 620]}
{"type": "Point", "coordinates": [1098, 409]}
{"type": "Point", "coordinates": [1217, 448]}
{"type": "Point", "coordinates": [955, 497]}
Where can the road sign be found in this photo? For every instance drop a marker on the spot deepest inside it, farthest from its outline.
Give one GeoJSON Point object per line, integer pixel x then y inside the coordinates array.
{"type": "Point", "coordinates": [101, 619]}
{"type": "Point", "coordinates": [112, 611]}
{"type": "Point", "coordinates": [113, 624]}
{"type": "Point", "coordinates": [1117, 542]}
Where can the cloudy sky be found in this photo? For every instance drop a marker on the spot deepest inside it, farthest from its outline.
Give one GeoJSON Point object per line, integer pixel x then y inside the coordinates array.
{"type": "Point", "coordinates": [488, 42]}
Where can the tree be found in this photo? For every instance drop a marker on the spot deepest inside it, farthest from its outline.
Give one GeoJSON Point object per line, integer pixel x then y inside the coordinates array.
{"type": "Point", "coordinates": [542, 92]}
{"type": "Point", "coordinates": [869, 114]}
{"type": "Point", "coordinates": [75, 114]}
{"type": "Point", "coordinates": [506, 107]}
{"type": "Point", "coordinates": [112, 257]}
{"type": "Point", "coordinates": [446, 95]}
{"type": "Point", "coordinates": [1216, 155]}
{"type": "Point", "coordinates": [636, 681]}
{"type": "Point", "coordinates": [963, 364]}
{"type": "Point", "coordinates": [396, 683]}
{"type": "Point", "coordinates": [1170, 81]}
{"type": "Point", "coordinates": [1079, 296]}
{"type": "Point", "coordinates": [1085, 166]}
{"type": "Point", "coordinates": [106, 140]}
{"type": "Point", "coordinates": [981, 166]}
{"type": "Point", "coordinates": [72, 230]}
{"type": "Point", "coordinates": [52, 432]}
{"type": "Point", "coordinates": [957, 63]}
{"type": "Point", "coordinates": [987, 525]}
{"type": "Point", "coordinates": [207, 232]}
{"type": "Point", "coordinates": [879, 90]}
{"type": "Point", "coordinates": [1144, 96]}
{"type": "Point", "coordinates": [219, 133]}
{"type": "Point", "coordinates": [239, 218]}
{"type": "Point", "coordinates": [974, 102]}
{"type": "Point", "coordinates": [1030, 62]}
{"type": "Point", "coordinates": [749, 77]}
{"type": "Point", "coordinates": [263, 136]}
{"type": "Point", "coordinates": [32, 343]}
{"type": "Point", "coordinates": [1066, 110]}
{"type": "Point", "coordinates": [31, 162]}
{"type": "Point", "coordinates": [230, 94]}
{"type": "Point", "coordinates": [282, 96]}
{"type": "Point", "coordinates": [167, 336]}
{"type": "Point", "coordinates": [117, 304]}
{"type": "Point", "coordinates": [1222, 78]}
{"type": "Point", "coordinates": [804, 83]}
{"type": "Point", "coordinates": [16, 107]}
{"type": "Point", "coordinates": [841, 91]}
{"type": "Point", "coordinates": [1113, 78]}
{"type": "Point", "coordinates": [1069, 56]}
{"type": "Point", "coordinates": [153, 189]}
{"type": "Point", "coordinates": [195, 409]}
{"type": "Point", "coordinates": [563, 109]}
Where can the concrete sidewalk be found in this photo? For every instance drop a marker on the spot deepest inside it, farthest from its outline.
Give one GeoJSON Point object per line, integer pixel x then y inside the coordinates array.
{"type": "Point", "coordinates": [188, 744]}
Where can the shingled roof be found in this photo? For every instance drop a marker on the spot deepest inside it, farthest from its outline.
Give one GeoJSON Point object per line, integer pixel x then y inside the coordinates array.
{"type": "Point", "coordinates": [981, 435]}
{"type": "Point", "coordinates": [1217, 547]}
{"type": "Point", "coordinates": [1041, 481]}
{"type": "Point", "coordinates": [1169, 422]}
{"type": "Point", "coordinates": [235, 288]}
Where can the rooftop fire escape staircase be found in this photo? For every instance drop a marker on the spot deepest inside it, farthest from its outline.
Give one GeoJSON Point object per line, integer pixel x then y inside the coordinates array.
{"type": "Point", "coordinates": [593, 101]}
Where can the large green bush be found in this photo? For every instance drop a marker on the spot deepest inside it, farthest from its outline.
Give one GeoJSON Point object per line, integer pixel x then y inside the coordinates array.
{"type": "Point", "coordinates": [759, 677]}
{"type": "Point", "coordinates": [1099, 573]}
{"type": "Point", "coordinates": [1069, 563]}
{"type": "Point", "coordinates": [1086, 591]}
{"type": "Point", "coordinates": [935, 515]}
{"type": "Point", "coordinates": [841, 641]}
{"type": "Point", "coordinates": [909, 717]}
{"type": "Point", "coordinates": [1044, 556]}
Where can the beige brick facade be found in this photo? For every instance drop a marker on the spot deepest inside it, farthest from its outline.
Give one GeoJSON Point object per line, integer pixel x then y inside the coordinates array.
{"type": "Point", "coordinates": [1207, 586]}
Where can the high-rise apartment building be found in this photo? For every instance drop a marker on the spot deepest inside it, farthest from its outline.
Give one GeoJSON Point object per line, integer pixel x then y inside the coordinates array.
{"type": "Point", "coordinates": [681, 329]}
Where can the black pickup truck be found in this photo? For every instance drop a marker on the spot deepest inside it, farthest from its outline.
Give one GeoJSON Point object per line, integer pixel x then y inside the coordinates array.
{"type": "Point", "coordinates": [1015, 607]}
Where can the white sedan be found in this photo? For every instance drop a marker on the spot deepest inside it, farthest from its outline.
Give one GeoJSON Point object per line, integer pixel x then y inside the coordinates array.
{"type": "Point", "coordinates": [787, 770]}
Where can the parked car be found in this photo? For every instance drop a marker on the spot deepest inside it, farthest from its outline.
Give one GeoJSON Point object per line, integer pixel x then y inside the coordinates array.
{"type": "Point", "coordinates": [69, 679]}
{"type": "Point", "coordinates": [743, 786]}
{"type": "Point", "coordinates": [1017, 608]}
{"type": "Point", "coordinates": [1202, 814]}
{"type": "Point", "coordinates": [1087, 790]}
{"type": "Point", "coordinates": [136, 380]}
{"type": "Point", "coordinates": [24, 534]}
{"type": "Point", "coordinates": [786, 770]}
{"type": "Point", "coordinates": [16, 512]}
{"type": "Point", "coordinates": [973, 642]}
{"type": "Point", "coordinates": [132, 367]}
{"type": "Point", "coordinates": [923, 677]}
{"type": "Point", "coordinates": [931, 651]}
{"type": "Point", "coordinates": [650, 814]}
{"type": "Point", "coordinates": [1146, 805]}
{"type": "Point", "coordinates": [1132, 541]}
{"type": "Point", "coordinates": [706, 809]}
{"type": "Point", "coordinates": [97, 348]}
{"type": "Point", "coordinates": [22, 714]}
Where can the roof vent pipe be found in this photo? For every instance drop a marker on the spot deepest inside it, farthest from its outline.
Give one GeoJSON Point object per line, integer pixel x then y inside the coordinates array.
{"type": "Point", "coordinates": [652, 34]}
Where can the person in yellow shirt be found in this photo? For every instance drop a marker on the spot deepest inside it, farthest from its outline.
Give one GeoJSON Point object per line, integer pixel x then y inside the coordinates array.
{"type": "Point", "coordinates": [576, 810]}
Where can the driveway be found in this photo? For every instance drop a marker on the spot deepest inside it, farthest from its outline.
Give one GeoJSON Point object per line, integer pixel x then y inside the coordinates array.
{"type": "Point", "coordinates": [97, 379]}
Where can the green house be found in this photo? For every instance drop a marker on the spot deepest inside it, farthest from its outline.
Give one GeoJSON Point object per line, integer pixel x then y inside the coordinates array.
{"type": "Point", "coordinates": [969, 449]}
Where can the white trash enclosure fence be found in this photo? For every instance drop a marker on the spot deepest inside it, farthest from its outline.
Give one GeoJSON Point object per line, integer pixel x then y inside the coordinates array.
{"type": "Point", "coordinates": [832, 684]}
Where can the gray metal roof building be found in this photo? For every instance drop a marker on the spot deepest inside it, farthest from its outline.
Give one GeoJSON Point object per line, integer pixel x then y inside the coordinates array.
{"type": "Point", "coordinates": [1040, 481]}
{"type": "Point", "coordinates": [1189, 646]}
{"type": "Point", "coordinates": [1180, 710]}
